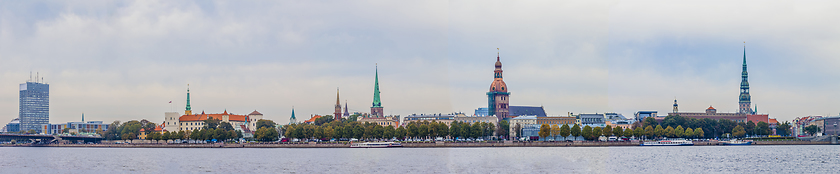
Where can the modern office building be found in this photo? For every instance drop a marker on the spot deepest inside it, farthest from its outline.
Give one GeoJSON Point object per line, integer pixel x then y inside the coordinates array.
{"type": "Point", "coordinates": [12, 126]}
{"type": "Point", "coordinates": [34, 106]}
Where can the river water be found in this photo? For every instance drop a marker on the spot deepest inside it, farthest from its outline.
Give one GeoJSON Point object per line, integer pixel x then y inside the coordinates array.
{"type": "Point", "coordinates": [686, 159]}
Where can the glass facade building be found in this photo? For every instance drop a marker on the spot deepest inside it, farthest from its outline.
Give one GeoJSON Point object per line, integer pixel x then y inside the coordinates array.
{"type": "Point", "coordinates": [34, 106]}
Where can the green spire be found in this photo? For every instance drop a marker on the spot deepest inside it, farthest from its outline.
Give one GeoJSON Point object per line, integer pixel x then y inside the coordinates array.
{"type": "Point", "coordinates": [376, 102]}
{"type": "Point", "coordinates": [188, 98]}
{"type": "Point", "coordinates": [293, 114]}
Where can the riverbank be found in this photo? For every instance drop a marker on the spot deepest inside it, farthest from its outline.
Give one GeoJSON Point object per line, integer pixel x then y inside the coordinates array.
{"type": "Point", "coordinates": [405, 144]}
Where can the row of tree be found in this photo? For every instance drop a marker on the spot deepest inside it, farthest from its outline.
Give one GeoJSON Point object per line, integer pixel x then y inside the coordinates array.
{"type": "Point", "coordinates": [589, 133]}
{"type": "Point", "coordinates": [414, 130]}
{"type": "Point", "coordinates": [718, 128]}
{"type": "Point", "coordinates": [212, 129]}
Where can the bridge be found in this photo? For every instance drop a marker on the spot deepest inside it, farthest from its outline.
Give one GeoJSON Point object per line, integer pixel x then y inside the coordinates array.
{"type": "Point", "coordinates": [47, 138]}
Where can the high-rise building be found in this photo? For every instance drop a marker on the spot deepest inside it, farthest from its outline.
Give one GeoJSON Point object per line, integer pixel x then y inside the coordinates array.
{"type": "Point", "coordinates": [497, 97]}
{"type": "Point", "coordinates": [376, 110]}
{"type": "Point", "coordinates": [34, 106]}
{"type": "Point", "coordinates": [744, 98]}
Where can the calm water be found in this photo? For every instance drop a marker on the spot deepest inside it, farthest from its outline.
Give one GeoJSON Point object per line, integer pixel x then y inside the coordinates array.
{"type": "Point", "coordinates": [695, 159]}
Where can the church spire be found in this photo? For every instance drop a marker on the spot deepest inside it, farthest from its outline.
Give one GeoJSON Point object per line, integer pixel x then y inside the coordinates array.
{"type": "Point", "coordinates": [337, 113]}
{"type": "Point", "coordinates": [189, 109]}
{"type": "Point", "coordinates": [744, 98]}
{"type": "Point", "coordinates": [293, 119]}
{"type": "Point", "coordinates": [376, 110]}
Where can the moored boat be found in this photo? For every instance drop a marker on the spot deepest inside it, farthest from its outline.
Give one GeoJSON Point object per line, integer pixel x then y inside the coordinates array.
{"type": "Point", "coordinates": [375, 145]}
{"type": "Point", "coordinates": [668, 142]}
{"type": "Point", "coordinates": [737, 142]}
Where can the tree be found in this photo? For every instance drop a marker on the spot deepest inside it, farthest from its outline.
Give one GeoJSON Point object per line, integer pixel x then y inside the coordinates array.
{"type": "Point", "coordinates": [323, 119]}
{"type": "Point", "coordinates": [388, 132]}
{"type": "Point", "coordinates": [476, 130]}
{"type": "Point", "coordinates": [689, 133]}
{"type": "Point", "coordinates": [576, 131]}
{"type": "Point", "coordinates": [504, 127]}
{"type": "Point", "coordinates": [266, 134]}
{"type": "Point", "coordinates": [649, 121]}
{"type": "Point", "coordinates": [400, 133]}
{"type": "Point", "coordinates": [608, 131]}
{"type": "Point", "coordinates": [749, 127]}
{"type": "Point", "coordinates": [669, 132]}
{"type": "Point", "coordinates": [565, 131]}
{"type": "Point", "coordinates": [649, 132]}
{"type": "Point", "coordinates": [618, 131]}
{"type": "Point", "coordinates": [166, 136]}
{"type": "Point", "coordinates": [783, 129]}
{"type": "Point", "coordinates": [639, 132]}
{"type": "Point", "coordinates": [699, 132]}
{"type": "Point", "coordinates": [628, 132]}
{"type": "Point", "coordinates": [455, 129]}
{"type": "Point", "coordinates": [545, 131]}
{"type": "Point", "coordinates": [586, 132]}
{"type": "Point", "coordinates": [762, 128]}
{"type": "Point", "coordinates": [225, 126]}
{"type": "Point", "coordinates": [265, 123]}
{"type": "Point", "coordinates": [597, 132]}
{"type": "Point", "coordinates": [358, 131]}
{"type": "Point", "coordinates": [555, 131]}
{"type": "Point", "coordinates": [211, 123]}
{"type": "Point", "coordinates": [679, 131]}
{"type": "Point", "coordinates": [518, 129]}
{"type": "Point", "coordinates": [738, 131]}
{"type": "Point", "coordinates": [659, 131]}
{"type": "Point", "coordinates": [812, 129]}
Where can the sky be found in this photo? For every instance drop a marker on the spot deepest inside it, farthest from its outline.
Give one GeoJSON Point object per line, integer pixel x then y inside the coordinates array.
{"type": "Point", "coordinates": [126, 60]}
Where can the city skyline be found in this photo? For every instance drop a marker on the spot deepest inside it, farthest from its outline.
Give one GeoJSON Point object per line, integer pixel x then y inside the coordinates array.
{"type": "Point", "coordinates": [126, 61]}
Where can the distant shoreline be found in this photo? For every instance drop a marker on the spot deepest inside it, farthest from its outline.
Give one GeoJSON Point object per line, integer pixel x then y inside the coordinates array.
{"type": "Point", "coordinates": [406, 144]}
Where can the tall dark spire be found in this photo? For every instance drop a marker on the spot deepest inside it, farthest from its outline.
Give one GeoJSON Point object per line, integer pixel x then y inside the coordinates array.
{"type": "Point", "coordinates": [744, 98]}
{"type": "Point", "coordinates": [376, 101]}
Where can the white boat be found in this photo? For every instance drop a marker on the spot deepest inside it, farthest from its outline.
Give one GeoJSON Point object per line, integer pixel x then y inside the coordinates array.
{"type": "Point", "coordinates": [737, 142]}
{"type": "Point", "coordinates": [669, 142]}
{"type": "Point", "coordinates": [375, 145]}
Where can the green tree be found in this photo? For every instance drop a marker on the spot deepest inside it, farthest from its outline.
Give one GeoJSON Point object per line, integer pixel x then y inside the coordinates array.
{"type": "Point", "coordinates": [389, 132]}
{"type": "Point", "coordinates": [266, 134]}
{"type": "Point", "coordinates": [565, 131]}
{"type": "Point", "coordinates": [597, 132]}
{"type": "Point", "coordinates": [669, 132]}
{"type": "Point", "coordinates": [679, 132]}
{"type": "Point", "coordinates": [358, 132]}
{"type": "Point", "coordinates": [783, 129]}
{"type": "Point", "coordinates": [762, 128]}
{"type": "Point", "coordinates": [545, 131]}
{"type": "Point", "coordinates": [586, 132]}
{"type": "Point", "coordinates": [699, 132]}
{"type": "Point", "coordinates": [555, 131]}
{"type": "Point", "coordinates": [649, 132]}
{"type": "Point", "coordinates": [211, 123]}
{"type": "Point", "coordinates": [639, 132]}
{"type": "Point", "coordinates": [618, 131]}
{"type": "Point", "coordinates": [608, 131]}
{"type": "Point", "coordinates": [649, 121]}
{"type": "Point", "coordinates": [628, 132]}
{"type": "Point", "coordinates": [812, 129]}
{"type": "Point", "coordinates": [750, 128]}
{"type": "Point", "coordinates": [400, 133]}
{"type": "Point", "coordinates": [689, 133]}
{"type": "Point", "coordinates": [225, 126]}
{"type": "Point", "coordinates": [477, 130]}
{"type": "Point", "coordinates": [576, 131]}
{"type": "Point", "coordinates": [455, 129]}
{"type": "Point", "coordinates": [504, 127]}
{"type": "Point", "coordinates": [659, 131]}
{"type": "Point", "coordinates": [738, 131]}
{"type": "Point", "coordinates": [265, 123]}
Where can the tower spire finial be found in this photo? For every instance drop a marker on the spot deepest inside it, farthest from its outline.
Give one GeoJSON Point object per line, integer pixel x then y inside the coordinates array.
{"type": "Point", "coordinates": [188, 110]}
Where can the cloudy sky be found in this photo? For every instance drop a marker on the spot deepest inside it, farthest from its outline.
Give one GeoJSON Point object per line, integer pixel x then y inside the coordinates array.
{"type": "Point", "coordinates": [126, 60]}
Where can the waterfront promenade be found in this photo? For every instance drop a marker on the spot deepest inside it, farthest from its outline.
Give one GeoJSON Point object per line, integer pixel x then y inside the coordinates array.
{"type": "Point", "coordinates": [405, 144]}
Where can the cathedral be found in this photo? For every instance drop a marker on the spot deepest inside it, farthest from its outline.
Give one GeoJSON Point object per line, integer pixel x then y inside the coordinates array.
{"type": "Point", "coordinates": [497, 97]}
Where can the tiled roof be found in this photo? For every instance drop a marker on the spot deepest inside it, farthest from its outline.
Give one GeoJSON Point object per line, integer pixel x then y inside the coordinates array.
{"type": "Point", "coordinates": [255, 113]}
{"type": "Point", "coordinates": [527, 110]}
{"type": "Point", "coordinates": [773, 120]}
{"type": "Point", "coordinates": [202, 117]}
{"type": "Point", "coordinates": [710, 107]}
{"type": "Point", "coordinates": [312, 119]}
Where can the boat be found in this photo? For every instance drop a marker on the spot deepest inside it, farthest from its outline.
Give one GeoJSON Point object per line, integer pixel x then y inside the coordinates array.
{"type": "Point", "coordinates": [375, 145]}
{"type": "Point", "coordinates": [669, 142]}
{"type": "Point", "coordinates": [737, 142]}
